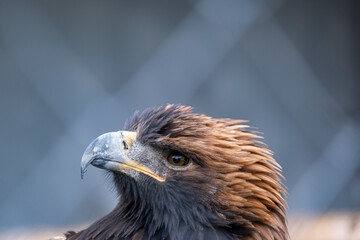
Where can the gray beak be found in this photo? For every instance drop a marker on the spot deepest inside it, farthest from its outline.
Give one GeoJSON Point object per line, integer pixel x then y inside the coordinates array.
{"type": "Point", "coordinates": [110, 151]}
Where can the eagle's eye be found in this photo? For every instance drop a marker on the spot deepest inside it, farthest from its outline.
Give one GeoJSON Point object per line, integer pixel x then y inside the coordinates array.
{"type": "Point", "coordinates": [178, 160]}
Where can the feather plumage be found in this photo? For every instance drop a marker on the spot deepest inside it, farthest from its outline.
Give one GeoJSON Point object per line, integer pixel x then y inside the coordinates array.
{"type": "Point", "coordinates": [233, 189]}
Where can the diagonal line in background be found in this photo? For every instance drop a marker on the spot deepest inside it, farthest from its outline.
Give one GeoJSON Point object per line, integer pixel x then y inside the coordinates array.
{"type": "Point", "coordinates": [289, 66]}
{"type": "Point", "coordinates": [330, 172]}
{"type": "Point", "coordinates": [40, 51]}
{"type": "Point", "coordinates": [290, 78]}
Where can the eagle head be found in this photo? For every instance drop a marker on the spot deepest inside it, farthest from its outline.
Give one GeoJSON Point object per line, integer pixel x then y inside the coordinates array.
{"type": "Point", "coordinates": [182, 175]}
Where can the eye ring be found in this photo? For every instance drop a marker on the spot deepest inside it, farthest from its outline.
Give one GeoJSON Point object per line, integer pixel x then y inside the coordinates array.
{"type": "Point", "coordinates": [177, 159]}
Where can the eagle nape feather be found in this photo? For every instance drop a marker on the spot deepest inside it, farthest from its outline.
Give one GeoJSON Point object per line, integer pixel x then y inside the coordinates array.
{"type": "Point", "coordinates": [182, 175]}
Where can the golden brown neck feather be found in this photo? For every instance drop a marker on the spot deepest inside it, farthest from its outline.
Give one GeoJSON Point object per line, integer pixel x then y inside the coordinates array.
{"type": "Point", "coordinates": [249, 192]}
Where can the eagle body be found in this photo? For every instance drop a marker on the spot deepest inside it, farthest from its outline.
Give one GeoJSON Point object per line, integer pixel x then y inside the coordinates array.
{"type": "Point", "coordinates": [181, 175]}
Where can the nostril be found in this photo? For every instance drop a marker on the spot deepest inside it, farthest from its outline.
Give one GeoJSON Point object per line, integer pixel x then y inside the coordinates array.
{"type": "Point", "coordinates": [125, 145]}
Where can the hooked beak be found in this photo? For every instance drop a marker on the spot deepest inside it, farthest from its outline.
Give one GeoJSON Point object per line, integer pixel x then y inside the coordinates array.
{"type": "Point", "coordinates": [110, 151]}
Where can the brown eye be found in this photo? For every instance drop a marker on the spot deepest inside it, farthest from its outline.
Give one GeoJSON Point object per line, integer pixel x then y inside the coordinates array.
{"type": "Point", "coordinates": [177, 159]}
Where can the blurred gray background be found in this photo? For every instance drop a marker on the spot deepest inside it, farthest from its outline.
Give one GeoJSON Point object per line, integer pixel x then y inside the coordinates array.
{"type": "Point", "coordinates": [72, 70]}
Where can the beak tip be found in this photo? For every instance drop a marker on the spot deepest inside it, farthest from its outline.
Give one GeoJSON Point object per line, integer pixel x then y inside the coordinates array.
{"type": "Point", "coordinates": [82, 172]}
{"type": "Point", "coordinates": [85, 162]}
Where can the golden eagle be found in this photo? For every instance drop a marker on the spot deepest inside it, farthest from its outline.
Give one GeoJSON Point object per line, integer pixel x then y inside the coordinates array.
{"type": "Point", "coordinates": [182, 175]}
